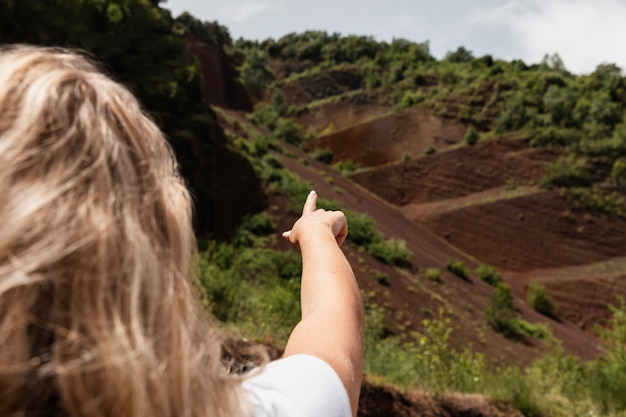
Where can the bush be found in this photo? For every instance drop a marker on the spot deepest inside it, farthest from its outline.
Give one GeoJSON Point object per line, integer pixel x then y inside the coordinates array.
{"type": "Point", "coordinates": [471, 136]}
{"type": "Point", "coordinates": [433, 274]}
{"type": "Point", "coordinates": [345, 167]}
{"type": "Point", "coordinates": [391, 252]}
{"type": "Point", "coordinates": [322, 155]}
{"type": "Point", "coordinates": [382, 278]}
{"type": "Point", "coordinates": [289, 131]}
{"type": "Point", "coordinates": [539, 300]}
{"type": "Point", "coordinates": [361, 229]}
{"type": "Point", "coordinates": [458, 268]}
{"type": "Point", "coordinates": [552, 136]}
{"type": "Point", "coordinates": [567, 171]}
{"type": "Point", "coordinates": [489, 274]}
{"type": "Point", "coordinates": [500, 313]}
{"type": "Point", "coordinates": [429, 150]}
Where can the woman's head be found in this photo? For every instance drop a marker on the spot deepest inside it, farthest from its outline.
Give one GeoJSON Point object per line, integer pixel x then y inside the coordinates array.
{"type": "Point", "coordinates": [97, 315]}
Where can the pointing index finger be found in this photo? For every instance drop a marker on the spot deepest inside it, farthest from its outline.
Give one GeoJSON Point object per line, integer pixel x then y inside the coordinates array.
{"type": "Point", "coordinates": [311, 203]}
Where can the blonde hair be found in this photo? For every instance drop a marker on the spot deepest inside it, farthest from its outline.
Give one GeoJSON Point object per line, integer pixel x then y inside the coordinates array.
{"type": "Point", "coordinates": [98, 315]}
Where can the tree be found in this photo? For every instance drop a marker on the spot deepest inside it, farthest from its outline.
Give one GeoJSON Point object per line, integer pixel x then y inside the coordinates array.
{"type": "Point", "coordinates": [460, 55]}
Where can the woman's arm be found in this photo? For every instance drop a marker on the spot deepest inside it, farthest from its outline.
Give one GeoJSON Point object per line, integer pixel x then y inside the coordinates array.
{"type": "Point", "coordinates": [332, 310]}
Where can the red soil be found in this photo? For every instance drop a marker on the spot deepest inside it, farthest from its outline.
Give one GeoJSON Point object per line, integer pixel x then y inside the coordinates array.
{"type": "Point", "coordinates": [389, 138]}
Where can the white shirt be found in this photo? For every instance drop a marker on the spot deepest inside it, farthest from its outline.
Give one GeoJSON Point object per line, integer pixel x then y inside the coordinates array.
{"type": "Point", "coordinates": [297, 386]}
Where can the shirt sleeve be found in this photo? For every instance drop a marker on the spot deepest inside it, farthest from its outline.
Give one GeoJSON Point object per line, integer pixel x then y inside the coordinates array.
{"type": "Point", "coordinates": [297, 386]}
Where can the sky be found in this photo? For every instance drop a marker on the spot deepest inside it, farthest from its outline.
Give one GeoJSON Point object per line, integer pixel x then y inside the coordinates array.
{"type": "Point", "coordinates": [585, 33]}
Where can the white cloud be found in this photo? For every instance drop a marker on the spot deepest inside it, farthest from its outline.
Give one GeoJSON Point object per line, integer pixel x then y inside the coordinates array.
{"type": "Point", "coordinates": [239, 13]}
{"type": "Point", "coordinates": [584, 33]}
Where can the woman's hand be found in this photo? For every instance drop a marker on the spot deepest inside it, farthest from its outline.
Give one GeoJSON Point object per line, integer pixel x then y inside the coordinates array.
{"type": "Point", "coordinates": [314, 221]}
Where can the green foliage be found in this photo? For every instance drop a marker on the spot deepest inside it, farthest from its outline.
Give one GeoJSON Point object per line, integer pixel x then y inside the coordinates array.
{"type": "Point", "coordinates": [391, 252]}
{"type": "Point", "coordinates": [596, 201]}
{"type": "Point", "coordinates": [514, 117]}
{"type": "Point", "coordinates": [250, 287]}
{"type": "Point", "coordinates": [489, 274]}
{"type": "Point", "coordinates": [278, 103]}
{"type": "Point", "coordinates": [539, 299]}
{"type": "Point", "coordinates": [362, 229]}
{"type": "Point", "coordinates": [429, 150]}
{"type": "Point", "coordinates": [500, 313]}
{"type": "Point", "coordinates": [471, 136]}
{"type": "Point", "coordinates": [433, 274]}
{"type": "Point", "coordinates": [345, 167]}
{"type": "Point", "coordinates": [460, 55]}
{"type": "Point", "coordinates": [289, 131]}
{"type": "Point", "coordinates": [609, 372]}
{"type": "Point", "coordinates": [254, 73]}
{"type": "Point", "coordinates": [210, 32]}
{"type": "Point", "coordinates": [410, 99]}
{"type": "Point", "coordinates": [558, 104]}
{"type": "Point", "coordinates": [426, 362]}
{"type": "Point", "coordinates": [618, 172]}
{"type": "Point", "coordinates": [362, 232]}
{"type": "Point", "coordinates": [458, 268]}
{"type": "Point", "coordinates": [323, 155]}
{"type": "Point", "coordinates": [382, 278]}
{"type": "Point", "coordinates": [554, 136]}
{"type": "Point", "coordinates": [567, 171]}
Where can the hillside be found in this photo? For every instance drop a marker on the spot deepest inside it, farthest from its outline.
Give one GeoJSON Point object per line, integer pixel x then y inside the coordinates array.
{"type": "Point", "coordinates": [444, 157]}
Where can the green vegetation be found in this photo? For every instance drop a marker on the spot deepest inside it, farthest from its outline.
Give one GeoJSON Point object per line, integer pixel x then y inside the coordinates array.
{"type": "Point", "coordinates": [382, 278]}
{"type": "Point", "coordinates": [501, 314]}
{"type": "Point", "coordinates": [433, 274]}
{"type": "Point", "coordinates": [597, 201]}
{"type": "Point", "coordinates": [363, 233]}
{"type": "Point", "coordinates": [503, 318]}
{"type": "Point", "coordinates": [253, 289]}
{"type": "Point", "coordinates": [539, 300]}
{"type": "Point", "coordinates": [579, 118]}
{"type": "Point", "coordinates": [471, 136]}
{"type": "Point", "coordinates": [458, 268]}
{"type": "Point", "coordinates": [489, 274]}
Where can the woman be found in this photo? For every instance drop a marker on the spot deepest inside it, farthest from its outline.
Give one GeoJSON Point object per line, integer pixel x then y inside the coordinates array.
{"type": "Point", "coordinates": [97, 312]}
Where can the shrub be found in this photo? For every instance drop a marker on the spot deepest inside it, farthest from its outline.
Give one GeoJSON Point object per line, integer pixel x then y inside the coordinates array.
{"type": "Point", "coordinates": [289, 131]}
{"type": "Point", "coordinates": [552, 136]}
{"type": "Point", "coordinates": [471, 136]}
{"type": "Point", "coordinates": [457, 268]}
{"type": "Point", "coordinates": [500, 313]}
{"type": "Point", "coordinates": [391, 252]}
{"type": "Point", "coordinates": [489, 274]}
{"type": "Point", "coordinates": [429, 150]}
{"type": "Point", "coordinates": [597, 201]}
{"type": "Point", "coordinates": [363, 233]}
{"type": "Point", "coordinates": [410, 99]}
{"type": "Point", "coordinates": [322, 155]}
{"type": "Point", "coordinates": [345, 167]}
{"type": "Point", "coordinates": [539, 300]}
{"type": "Point", "coordinates": [361, 229]}
{"type": "Point", "coordinates": [433, 274]}
{"type": "Point", "coordinates": [567, 171]}
{"type": "Point", "coordinates": [382, 278]}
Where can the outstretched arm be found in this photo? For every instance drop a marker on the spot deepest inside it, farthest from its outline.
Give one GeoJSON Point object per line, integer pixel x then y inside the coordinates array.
{"type": "Point", "coordinates": [332, 310]}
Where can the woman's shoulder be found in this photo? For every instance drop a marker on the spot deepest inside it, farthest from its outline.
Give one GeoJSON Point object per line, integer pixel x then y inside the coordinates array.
{"type": "Point", "coordinates": [299, 385]}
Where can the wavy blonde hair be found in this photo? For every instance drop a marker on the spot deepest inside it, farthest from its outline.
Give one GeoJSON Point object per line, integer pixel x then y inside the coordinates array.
{"type": "Point", "coordinates": [98, 316]}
